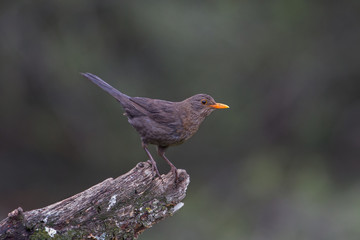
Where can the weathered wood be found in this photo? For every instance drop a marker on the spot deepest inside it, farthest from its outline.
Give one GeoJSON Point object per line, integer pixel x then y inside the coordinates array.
{"type": "Point", "coordinates": [120, 208]}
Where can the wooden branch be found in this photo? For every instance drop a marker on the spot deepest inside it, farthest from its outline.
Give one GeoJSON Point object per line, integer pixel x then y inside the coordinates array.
{"type": "Point", "coordinates": [120, 208]}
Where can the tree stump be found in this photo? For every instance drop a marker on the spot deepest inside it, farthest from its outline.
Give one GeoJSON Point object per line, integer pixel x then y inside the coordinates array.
{"type": "Point", "coordinates": [120, 208]}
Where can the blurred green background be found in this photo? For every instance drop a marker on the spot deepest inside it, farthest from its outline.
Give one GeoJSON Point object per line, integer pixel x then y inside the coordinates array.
{"type": "Point", "coordinates": [281, 163]}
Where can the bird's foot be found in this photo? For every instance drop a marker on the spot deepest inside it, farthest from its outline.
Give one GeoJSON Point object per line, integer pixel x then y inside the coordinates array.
{"type": "Point", "coordinates": [174, 171]}
{"type": "Point", "coordinates": [156, 172]}
{"type": "Point", "coordinates": [155, 169]}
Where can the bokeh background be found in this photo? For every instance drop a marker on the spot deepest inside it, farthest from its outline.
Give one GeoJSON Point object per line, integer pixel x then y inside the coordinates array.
{"type": "Point", "coordinates": [281, 163]}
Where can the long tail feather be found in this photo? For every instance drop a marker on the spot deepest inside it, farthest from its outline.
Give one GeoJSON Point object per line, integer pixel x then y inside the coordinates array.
{"type": "Point", "coordinates": [121, 97]}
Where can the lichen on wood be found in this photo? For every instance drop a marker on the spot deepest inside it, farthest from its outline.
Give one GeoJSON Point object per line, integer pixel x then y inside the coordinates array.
{"type": "Point", "coordinates": [120, 208]}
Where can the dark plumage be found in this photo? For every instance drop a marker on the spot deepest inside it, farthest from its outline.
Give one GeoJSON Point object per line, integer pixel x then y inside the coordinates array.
{"type": "Point", "coordinates": [159, 122]}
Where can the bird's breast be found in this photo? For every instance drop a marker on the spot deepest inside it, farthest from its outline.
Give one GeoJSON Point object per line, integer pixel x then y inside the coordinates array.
{"type": "Point", "coordinates": [153, 132]}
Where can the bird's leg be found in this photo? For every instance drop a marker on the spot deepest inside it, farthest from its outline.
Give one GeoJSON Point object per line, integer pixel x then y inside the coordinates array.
{"type": "Point", "coordinates": [161, 152]}
{"type": "Point", "coordinates": [153, 163]}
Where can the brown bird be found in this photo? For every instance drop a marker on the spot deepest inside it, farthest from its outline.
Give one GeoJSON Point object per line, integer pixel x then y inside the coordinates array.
{"type": "Point", "coordinates": [159, 122]}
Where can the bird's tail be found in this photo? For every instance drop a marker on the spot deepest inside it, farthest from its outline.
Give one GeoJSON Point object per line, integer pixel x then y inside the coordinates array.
{"type": "Point", "coordinates": [121, 97]}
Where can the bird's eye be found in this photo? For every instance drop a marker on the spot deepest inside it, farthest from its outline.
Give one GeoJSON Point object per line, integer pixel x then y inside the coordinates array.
{"type": "Point", "coordinates": [204, 101]}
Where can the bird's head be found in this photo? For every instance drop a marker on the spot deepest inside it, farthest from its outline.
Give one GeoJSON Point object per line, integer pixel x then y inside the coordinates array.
{"type": "Point", "coordinates": [203, 104]}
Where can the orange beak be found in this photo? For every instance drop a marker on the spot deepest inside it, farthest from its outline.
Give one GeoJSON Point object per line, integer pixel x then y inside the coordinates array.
{"type": "Point", "coordinates": [219, 106]}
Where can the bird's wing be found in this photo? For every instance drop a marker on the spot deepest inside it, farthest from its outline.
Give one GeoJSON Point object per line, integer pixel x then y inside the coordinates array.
{"type": "Point", "coordinates": [160, 111]}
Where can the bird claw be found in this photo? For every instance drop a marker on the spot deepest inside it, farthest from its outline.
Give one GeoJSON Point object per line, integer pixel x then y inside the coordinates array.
{"type": "Point", "coordinates": [155, 170]}
{"type": "Point", "coordinates": [174, 171]}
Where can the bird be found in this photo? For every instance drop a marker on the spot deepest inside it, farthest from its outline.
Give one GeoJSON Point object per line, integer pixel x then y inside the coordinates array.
{"type": "Point", "coordinates": [160, 122]}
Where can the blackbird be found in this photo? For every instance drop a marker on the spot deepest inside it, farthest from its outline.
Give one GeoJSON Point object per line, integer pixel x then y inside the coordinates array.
{"type": "Point", "coordinates": [159, 122]}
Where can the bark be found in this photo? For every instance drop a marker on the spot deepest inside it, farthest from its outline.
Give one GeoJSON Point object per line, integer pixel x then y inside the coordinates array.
{"type": "Point", "coordinates": [120, 208]}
